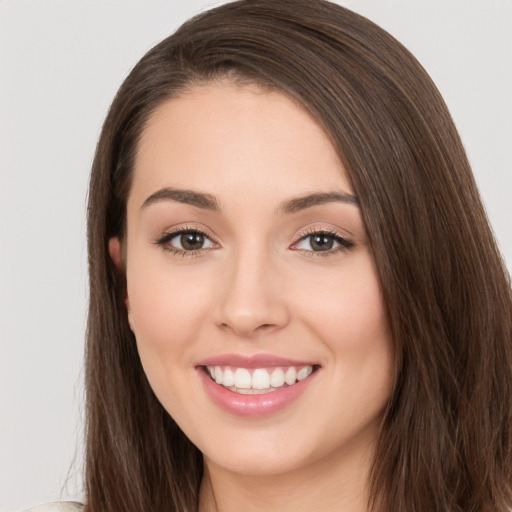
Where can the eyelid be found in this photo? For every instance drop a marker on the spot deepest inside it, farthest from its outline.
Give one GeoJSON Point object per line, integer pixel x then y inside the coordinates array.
{"type": "Point", "coordinates": [312, 229]}
{"type": "Point", "coordinates": [345, 242]}
{"type": "Point", "coordinates": [169, 233]}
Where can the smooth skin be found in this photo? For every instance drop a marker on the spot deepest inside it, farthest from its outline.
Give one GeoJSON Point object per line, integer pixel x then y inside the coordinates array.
{"type": "Point", "coordinates": [256, 280]}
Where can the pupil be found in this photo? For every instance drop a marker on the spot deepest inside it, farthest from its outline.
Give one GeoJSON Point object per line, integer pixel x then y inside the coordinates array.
{"type": "Point", "coordinates": [192, 241]}
{"type": "Point", "coordinates": [321, 242]}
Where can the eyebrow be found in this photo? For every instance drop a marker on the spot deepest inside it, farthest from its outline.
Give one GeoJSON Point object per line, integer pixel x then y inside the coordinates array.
{"type": "Point", "coordinates": [198, 199]}
{"type": "Point", "coordinates": [210, 202]}
{"type": "Point", "coordinates": [310, 200]}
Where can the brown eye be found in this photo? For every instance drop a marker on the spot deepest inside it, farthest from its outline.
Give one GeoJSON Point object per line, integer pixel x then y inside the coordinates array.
{"type": "Point", "coordinates": [192, 241]}
{"type": "Point", "coordinates": [184, 242]}
{"type": "Point", "coordinates": [321, 242]}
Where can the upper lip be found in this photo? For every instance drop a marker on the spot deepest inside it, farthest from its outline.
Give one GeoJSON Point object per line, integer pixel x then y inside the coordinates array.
{"type": "Point", "coordinates": [252, 361]}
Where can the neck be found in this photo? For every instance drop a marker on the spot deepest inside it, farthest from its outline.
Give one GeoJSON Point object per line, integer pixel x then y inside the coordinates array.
{"type": "Point", "coordinates": [337, 484]}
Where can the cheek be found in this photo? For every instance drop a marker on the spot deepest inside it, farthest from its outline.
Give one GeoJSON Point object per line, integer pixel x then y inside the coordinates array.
{"type": "Point", "coordinates": [349, 303]}
{"type": "Point", "coordinates": [167, 308]}
{"type": "Point", "coordinates": [351, 319]}
{"type": "Point", "coordinates": [167, 313]}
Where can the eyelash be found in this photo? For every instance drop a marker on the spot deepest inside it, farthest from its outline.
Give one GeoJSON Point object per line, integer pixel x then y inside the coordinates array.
{"type": "Point", "coordinates": [164, 241]}
{"type": "Point", "coordinates": [344, 244]}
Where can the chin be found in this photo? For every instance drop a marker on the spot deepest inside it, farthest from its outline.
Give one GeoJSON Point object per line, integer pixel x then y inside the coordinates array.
{"type": "Point", "coordinates": [257, 462]}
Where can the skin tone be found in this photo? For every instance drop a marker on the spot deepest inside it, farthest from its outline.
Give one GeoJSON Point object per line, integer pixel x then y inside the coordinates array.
{"type": "Point", "coordinates": [247, 268]}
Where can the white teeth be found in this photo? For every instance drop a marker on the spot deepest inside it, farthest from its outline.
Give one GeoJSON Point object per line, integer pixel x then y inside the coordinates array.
{"type": "Point", "coordinates": [229, 378]}
{"type": "Point", "coordinates": [290, 376]}
{"type": "Point", "coordinates": [262, 380]}
{"type": "Point", "coordinates": [242, 378]}
{"type": "Point", "coordinates": [304, 372]}
{"type": "Point", "coordinates": [277, 378]}
{"type": "Point", "coordinates": [253, 391]}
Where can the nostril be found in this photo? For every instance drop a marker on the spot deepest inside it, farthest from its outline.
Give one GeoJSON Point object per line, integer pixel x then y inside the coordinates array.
{"type": "Point", "coordinates": [248, 329]}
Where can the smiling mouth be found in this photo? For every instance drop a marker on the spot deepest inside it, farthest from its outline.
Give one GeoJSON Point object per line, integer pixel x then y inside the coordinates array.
{"type": "Point", "coordinates": [259, 380]}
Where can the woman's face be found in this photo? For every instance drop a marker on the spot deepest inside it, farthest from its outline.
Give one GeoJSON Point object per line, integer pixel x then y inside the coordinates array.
{"type": "Point", "coordinates": [247, 259]}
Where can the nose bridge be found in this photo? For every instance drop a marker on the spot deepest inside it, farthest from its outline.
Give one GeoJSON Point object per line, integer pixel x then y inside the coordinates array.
{"type": "Point", "coordinates": [252, 298]}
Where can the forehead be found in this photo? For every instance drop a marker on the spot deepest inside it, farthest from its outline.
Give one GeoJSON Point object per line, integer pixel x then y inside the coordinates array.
{"type": "Point", "coordinates": [223, 137]}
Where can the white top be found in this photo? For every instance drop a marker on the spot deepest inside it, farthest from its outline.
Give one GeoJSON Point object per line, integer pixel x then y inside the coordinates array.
{"type": "Point", "coordinates": [61, 506]}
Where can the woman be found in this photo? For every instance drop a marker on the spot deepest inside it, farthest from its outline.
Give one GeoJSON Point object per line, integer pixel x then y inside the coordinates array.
{"type": "Point", "coordinates": [295, 296]}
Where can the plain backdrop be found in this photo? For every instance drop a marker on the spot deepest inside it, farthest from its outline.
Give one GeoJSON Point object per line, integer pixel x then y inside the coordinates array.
{"type": "Point", "coordinates": [61, 62]}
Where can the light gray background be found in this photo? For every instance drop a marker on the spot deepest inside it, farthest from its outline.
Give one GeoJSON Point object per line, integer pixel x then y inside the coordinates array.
{"type": "Point", "coordinates": [61, 62]}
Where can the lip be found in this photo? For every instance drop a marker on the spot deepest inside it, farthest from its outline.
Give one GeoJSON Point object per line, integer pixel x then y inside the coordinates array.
{"type": "Point", "coordinates": [258, 405]}
{"type": "Point", "coordinates": [253, 361]}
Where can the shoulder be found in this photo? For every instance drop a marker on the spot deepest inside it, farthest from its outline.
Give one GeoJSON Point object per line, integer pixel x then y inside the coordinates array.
{"type": "Point", "coordinates": [61, 506]}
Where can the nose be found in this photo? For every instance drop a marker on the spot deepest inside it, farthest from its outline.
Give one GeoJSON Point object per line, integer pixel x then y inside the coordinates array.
{"type": "Point", "coordinates": [252, 298]}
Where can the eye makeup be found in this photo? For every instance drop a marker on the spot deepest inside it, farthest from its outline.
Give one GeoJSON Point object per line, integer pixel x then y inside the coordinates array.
{"type": "Point", "coordinates": [318, 241]}
{"type": "Point", "coordinates": [186, 241]}
{"type": "Point", "coordinates": [190, 241]}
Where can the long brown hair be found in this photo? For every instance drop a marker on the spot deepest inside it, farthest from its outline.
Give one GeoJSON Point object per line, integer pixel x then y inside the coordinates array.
{"type": "Point", "coordinates": [446, 441]}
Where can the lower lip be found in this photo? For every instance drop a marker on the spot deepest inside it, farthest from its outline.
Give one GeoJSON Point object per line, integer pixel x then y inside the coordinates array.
{"type": "Point", "coordinates": [253, 406]}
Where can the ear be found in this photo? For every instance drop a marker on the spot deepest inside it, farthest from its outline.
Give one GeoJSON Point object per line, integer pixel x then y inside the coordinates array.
{"type": "Point", "coordinates": [116, 255]}
{"type": "Point", "coordinates": [114, 250]}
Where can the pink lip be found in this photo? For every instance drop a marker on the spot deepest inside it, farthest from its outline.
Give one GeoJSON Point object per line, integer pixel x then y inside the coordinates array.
{"type": "Point", "coordinates": [251, 362]}
{"type": "Point", "coordinates": [253, 406]}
